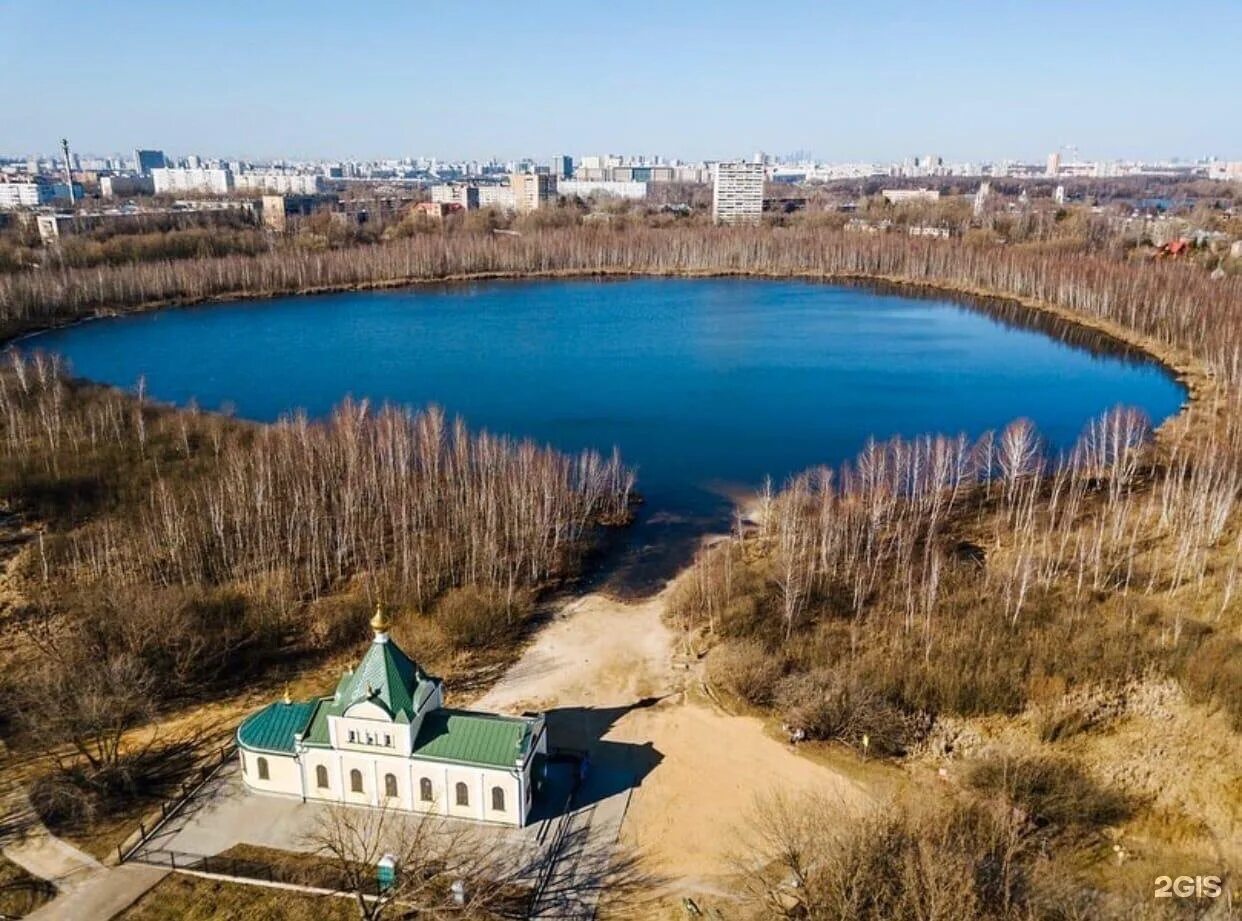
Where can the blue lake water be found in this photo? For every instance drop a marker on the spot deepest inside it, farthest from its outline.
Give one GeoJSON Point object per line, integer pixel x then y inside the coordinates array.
{"type": "Point", "coordinates": [705, 385]}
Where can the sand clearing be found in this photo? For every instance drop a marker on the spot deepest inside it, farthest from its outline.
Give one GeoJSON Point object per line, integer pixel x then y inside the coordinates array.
{"type": "Point", "coordinates": [702, 767]}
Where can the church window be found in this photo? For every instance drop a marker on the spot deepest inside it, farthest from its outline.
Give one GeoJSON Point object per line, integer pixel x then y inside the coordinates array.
{"type": "Point", "coordinates": [321, 777]}
{"type": "Point", "coordinates": [463, 795]}
{"type": "Point", "coordinates": [498, 799]}
{"type": "Point", "coordinates": [262, 764]}
{"type": "Point", "coordinates": [355, 780]}
{"type": "Point", "coordinates": [424, 790]}
{"type": "Point", "coordinates": [390, 785]}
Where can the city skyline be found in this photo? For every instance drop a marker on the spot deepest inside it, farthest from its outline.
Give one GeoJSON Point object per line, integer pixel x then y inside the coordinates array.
{"type": "Point", "coordinates": [707, 81]}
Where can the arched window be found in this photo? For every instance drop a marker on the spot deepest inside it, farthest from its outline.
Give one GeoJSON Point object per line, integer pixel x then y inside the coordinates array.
{"type": "Point", "coordinates": [498, 799]}
{"type": "Point", "coordinates": [263, 769]}
{"type": "Point", "coordinates": [390, 785]}
{"type": "Point", "coordinates": [425, 791]}
{"type": "Point", "coordinates": [463, 795]}
{"type": "Point", "coordinates": [321, 777]}
{"type": "Point", "coordinates": [355, 780]}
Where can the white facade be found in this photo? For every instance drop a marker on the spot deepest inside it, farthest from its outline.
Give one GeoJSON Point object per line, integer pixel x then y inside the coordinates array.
{"type": "Point", "coordinates": [737, 192]}
{"type": "Point", "coordinates": [900, 196]}
{"type": "Point", "coordinates": [385, 738]}
{"type": "Point", "coordinates": [175, 181]}
{"type": "Point", "coordinates": [455, 193]}
{"type": "Point", "coordinates": [279, 183]}
{"type": "Point", "coordinates": [30, 194]}
{"type": "Point", "coordinates": [497, 196]}
{"type": "Point", "coordinates": [585, 188]}
{"type": "Point", "coordinates": [1226, 171]}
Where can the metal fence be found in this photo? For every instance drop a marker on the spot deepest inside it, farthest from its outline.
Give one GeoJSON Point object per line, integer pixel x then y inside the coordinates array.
{"type": "Point", "coordinates": [169, 808]}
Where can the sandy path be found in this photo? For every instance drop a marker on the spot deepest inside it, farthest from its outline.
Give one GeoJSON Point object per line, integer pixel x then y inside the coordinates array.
{"type": "Point", "coordinates": [701, 768]}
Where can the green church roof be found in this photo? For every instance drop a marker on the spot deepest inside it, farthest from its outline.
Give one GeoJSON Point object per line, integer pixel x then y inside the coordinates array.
{"type": "Point", "coordinates": [474, 738]}
{"type": "Point", "coordinates": [272, 729]}
{"type": "Point", "coordinates": [387, 676]}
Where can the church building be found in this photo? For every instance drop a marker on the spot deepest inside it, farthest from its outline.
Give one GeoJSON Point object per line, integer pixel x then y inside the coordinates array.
{"type": "Point", "coordinates": [384, 737]}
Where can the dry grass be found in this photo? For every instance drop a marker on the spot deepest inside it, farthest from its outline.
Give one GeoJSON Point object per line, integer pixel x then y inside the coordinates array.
{"type": "Point", "coordinates": [181, 897]}
{"type": "Point", "coordinates": [20, 893]}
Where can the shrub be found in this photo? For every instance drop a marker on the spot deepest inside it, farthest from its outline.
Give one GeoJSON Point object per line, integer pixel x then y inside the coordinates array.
{"type": "Point", "coordinates": [475, 617]}
{"type": "Point", "coordinates": [957, 861]}
{"type": "Point", "coordinates": [1213, 673]}
{"type": "Point", "coordinates": [746, 669]}
{"type": "Point", "coordinates": [62, 802]}
{"type": "Point", "coordinates": [1051, 791]}
{"type": "Point", "coordinates": [829, 704]}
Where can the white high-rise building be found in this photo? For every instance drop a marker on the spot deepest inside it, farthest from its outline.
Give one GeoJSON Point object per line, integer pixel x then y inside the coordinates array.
{"type": "Point", "coordinates": [277, 183]}
{"type": "Point", "coordinates": [211, 181]}
{"type": "Point", "coordinates": [737, 192]}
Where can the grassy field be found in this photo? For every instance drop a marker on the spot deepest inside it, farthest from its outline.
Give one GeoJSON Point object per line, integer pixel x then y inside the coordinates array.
{"type": "Point", "coordinates": [191, 898]}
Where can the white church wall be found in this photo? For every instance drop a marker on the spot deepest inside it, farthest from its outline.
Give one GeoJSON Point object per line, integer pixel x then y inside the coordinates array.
{"type": "Point", "coordinates": [366, 721]}
{"type": "Point", "coordinates": [282, 773]}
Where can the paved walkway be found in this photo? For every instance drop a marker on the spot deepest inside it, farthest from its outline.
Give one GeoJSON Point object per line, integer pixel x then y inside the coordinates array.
{"type": "Point", "coordinates": [87, 889]}
{"type": "Point", "coordinates": [48, 857]}
{"type": "Point", "coordinates": [102, 895]}
{"type": "Point", "coordinates": [584, 862]}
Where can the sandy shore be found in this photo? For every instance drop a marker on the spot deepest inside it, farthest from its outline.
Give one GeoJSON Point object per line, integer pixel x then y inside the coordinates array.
{"type": "Point", "coordinates": [608, 667]}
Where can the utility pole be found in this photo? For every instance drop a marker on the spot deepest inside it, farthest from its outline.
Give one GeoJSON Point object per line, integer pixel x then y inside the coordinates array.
{"type": "Point", "coordinates": [64, 145]}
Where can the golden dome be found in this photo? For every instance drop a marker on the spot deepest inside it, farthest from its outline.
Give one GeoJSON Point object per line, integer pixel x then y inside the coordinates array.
{"type": "Point", "coordinates": [379, 622]}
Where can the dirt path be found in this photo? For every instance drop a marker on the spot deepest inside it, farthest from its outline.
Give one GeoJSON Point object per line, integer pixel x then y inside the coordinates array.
{"type": "Point", "coordinates": [605, 673]}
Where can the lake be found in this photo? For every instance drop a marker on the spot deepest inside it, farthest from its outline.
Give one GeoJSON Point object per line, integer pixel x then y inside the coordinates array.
{"type": "Point", "coordinates": [705, 385]}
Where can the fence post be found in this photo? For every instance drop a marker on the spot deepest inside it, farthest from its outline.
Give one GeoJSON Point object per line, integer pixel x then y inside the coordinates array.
{"type": "Point", "coordinates": [172, 860]}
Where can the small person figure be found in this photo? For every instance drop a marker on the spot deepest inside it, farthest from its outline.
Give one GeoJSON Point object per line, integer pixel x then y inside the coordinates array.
{"type": "Point", "coordinates": [866, 745]}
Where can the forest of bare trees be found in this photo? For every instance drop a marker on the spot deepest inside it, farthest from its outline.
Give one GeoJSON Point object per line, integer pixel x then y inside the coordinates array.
{"type": "Point", "coordinates": [184, 552]}
{"type": "Point", "coordinates": [930, 576]}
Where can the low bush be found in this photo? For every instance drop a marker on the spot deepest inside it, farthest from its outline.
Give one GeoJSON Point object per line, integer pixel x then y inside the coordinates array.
{"type": "Point", "coordinates": [479, 618]}
{"type": "Point", "coordinates": [955, 861]}
{"type": "Point", "coordinates": [829, 704]}
{"type": "Point", "coordinates": [1053, 793]}
{"type": "Point", "coordinates": [1212, 673]}
{"type": "Point", "coordinates": [746, 669]}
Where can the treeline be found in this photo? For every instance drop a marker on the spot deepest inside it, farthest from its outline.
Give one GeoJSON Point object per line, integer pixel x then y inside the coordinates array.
{"type": "Point", "coordinates": [125, 249]}
{"type": "Point", "coordinates": [186, 553]}
{"type": "Point", "coordinates": [941, 576]}
{"type": "Point", "coordinates": [407, 496]}
{"type": "Point", "coordinates": [1175, 305]}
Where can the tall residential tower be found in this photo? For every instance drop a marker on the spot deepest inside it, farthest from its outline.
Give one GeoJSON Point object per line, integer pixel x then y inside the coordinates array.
{"type": "Point", "coordinates": [737, 192]}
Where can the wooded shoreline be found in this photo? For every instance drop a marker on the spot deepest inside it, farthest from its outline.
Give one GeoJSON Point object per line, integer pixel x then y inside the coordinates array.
{"type": "Point", "coordinates": [1180, 365]}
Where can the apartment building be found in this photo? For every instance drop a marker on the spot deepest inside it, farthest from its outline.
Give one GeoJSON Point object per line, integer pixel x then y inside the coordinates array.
{"type": "Point", "coordinates": [737, 192]}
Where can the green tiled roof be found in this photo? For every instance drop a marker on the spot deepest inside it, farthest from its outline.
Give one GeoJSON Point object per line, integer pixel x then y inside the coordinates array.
{"type": "Point", "coordinates": [386, 676]}
{"type": "Point", "coordinates": [473, 738]}
{"type": "Point", "coordinates": [389, 677]}
{"type": "Point", "coordinates": [272, 728]}
{"type": "Point", "coordinates": [317, 730]}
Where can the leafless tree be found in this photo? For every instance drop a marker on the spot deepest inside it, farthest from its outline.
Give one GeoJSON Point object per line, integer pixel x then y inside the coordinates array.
{"type": "Point", "coordinates": [444, 868]}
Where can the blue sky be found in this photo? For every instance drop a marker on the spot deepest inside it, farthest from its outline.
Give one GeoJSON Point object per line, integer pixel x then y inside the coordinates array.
{"type": "Point", "coordinates": [882, 79]}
